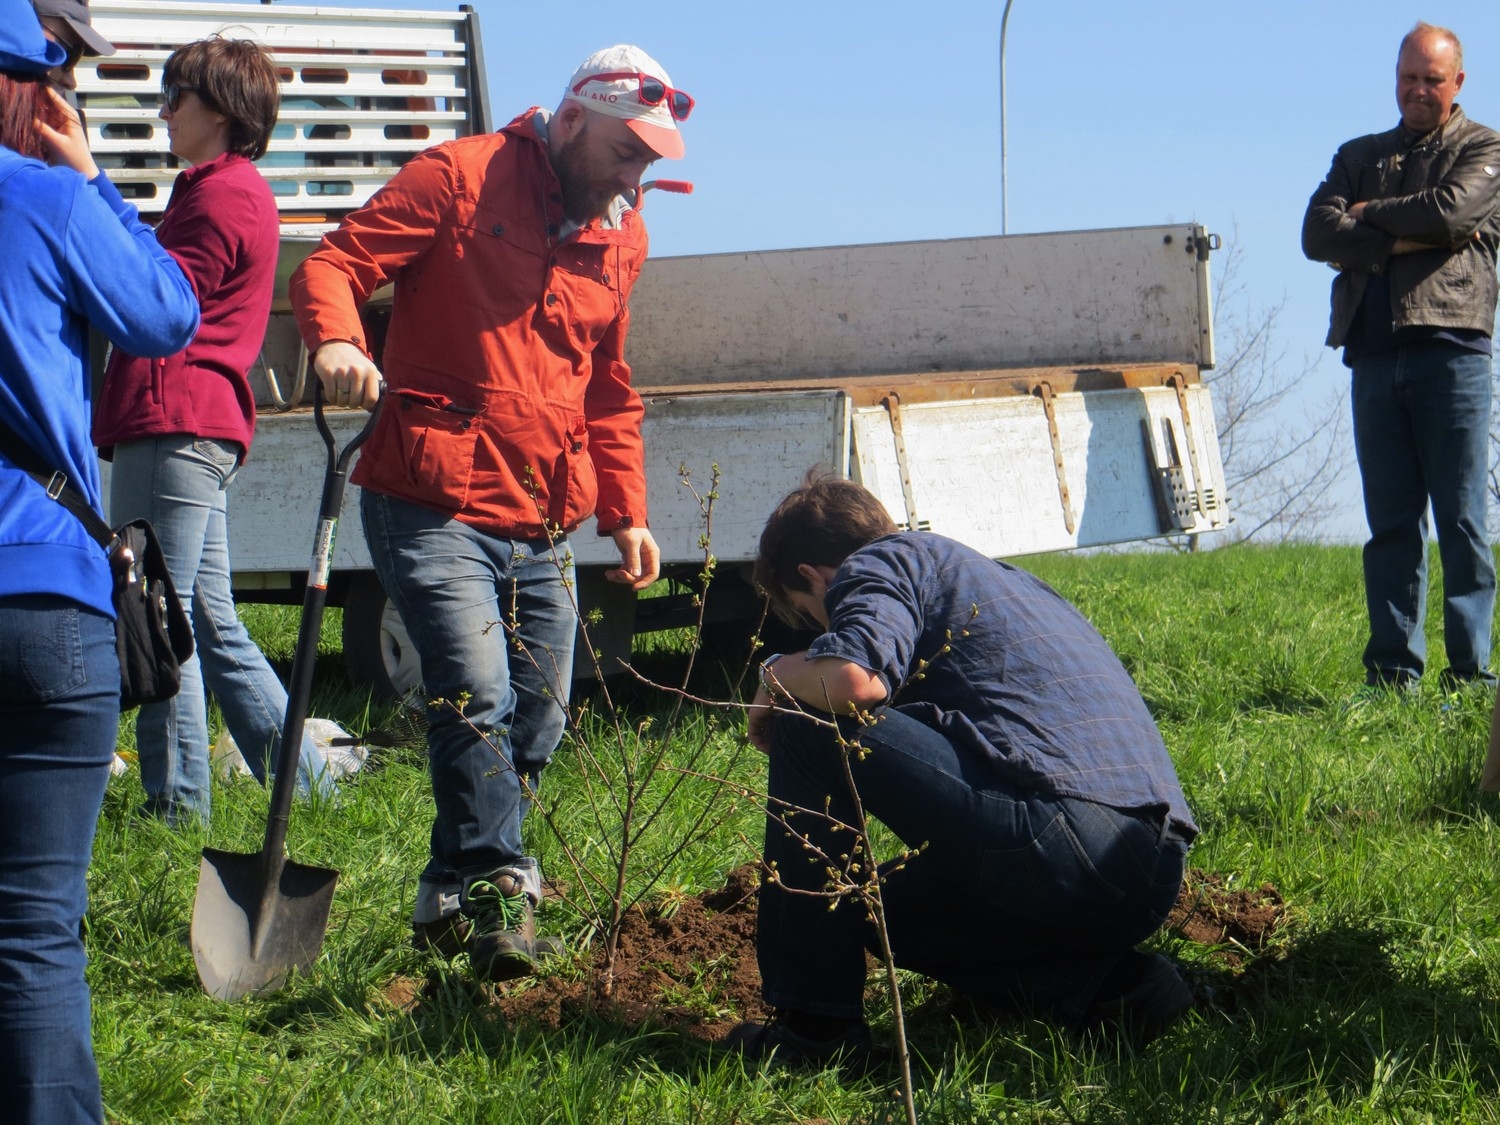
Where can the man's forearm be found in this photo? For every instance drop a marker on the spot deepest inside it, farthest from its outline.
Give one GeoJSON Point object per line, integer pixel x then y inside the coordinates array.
{"type": "Point", "coordinates": [1448, 212]}
{"type": "Point", "coordinates": [1331, 233]}
{"type": "Point", "coordinates": [825, 682]}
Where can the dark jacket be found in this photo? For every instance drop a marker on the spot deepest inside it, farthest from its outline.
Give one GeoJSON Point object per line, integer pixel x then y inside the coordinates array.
{"type": "Point", "coordinates": [1004, 667]}
{"type": "Point", "coordinates": [1436, 189]}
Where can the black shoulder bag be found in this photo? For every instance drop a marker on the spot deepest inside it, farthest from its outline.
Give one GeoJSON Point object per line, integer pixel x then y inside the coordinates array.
{"type": "Point", "coordinates": [153, 636]}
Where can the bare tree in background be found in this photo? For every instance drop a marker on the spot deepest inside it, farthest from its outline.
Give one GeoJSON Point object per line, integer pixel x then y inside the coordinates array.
{"type": "Point", "coordinates": [1280, 464]}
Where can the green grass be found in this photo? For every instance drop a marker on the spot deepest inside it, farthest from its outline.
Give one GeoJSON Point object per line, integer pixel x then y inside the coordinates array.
{"type": "Point", "coordinates": [1378, 1002]}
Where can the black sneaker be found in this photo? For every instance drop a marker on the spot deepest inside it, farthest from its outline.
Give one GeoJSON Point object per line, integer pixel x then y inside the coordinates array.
{"type": "Point", "coordinates": [1144, 998]}
{"type": "Point", "coordinates": [502, 938]}
{"type": "Point", "coordinates": [758, 1042]}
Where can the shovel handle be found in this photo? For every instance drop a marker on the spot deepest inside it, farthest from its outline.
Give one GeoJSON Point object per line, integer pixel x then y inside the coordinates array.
{"type": "Point", "coordinates": [315, 598]}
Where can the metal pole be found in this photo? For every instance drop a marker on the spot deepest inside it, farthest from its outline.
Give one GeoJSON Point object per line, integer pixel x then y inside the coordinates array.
{"type": "Point", "coordinates": [1004, 201]}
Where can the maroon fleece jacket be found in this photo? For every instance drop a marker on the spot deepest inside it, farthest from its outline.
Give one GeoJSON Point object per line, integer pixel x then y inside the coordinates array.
{"type": "Point", "coordinates": [221, 226]}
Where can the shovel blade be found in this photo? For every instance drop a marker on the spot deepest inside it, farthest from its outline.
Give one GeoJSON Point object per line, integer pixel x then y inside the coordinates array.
{"type": "Point", "coordinates": [249, 935]}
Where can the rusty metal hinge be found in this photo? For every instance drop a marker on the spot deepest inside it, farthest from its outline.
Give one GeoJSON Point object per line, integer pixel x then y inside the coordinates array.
{"type": "Point", "coordinates": [1044, 391]}
{"type": "Point", "coordinates": [892, 404]}
{"type": "Point", "coordinates": [1179, 384]}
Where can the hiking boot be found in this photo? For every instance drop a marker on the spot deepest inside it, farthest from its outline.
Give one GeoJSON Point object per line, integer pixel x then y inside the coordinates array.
{"type": "Point", "coordinates": [757, 1042]}
{"type": "Point", "coordinates": [502, 938]}
{"type": "Point", "coordinates": [1142, 999]}
{"type": "Point", "coordinates": [446, 936]}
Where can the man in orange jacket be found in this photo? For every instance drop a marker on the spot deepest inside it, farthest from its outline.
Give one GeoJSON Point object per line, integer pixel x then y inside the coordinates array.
{"type": "Point", "coordinates": [509, 420]}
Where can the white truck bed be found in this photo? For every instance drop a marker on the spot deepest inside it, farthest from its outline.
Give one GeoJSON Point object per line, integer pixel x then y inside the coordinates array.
{"type": "Point", "coordinates": [768, 364]}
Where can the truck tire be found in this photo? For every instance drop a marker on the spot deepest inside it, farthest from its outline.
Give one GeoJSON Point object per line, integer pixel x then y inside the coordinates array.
{"type": "Point", "coordinates": [377, 651]}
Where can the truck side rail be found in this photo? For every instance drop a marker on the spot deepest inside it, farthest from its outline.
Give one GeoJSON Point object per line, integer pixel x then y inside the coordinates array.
{"type": "Point", "coordinates": [1133, 295]}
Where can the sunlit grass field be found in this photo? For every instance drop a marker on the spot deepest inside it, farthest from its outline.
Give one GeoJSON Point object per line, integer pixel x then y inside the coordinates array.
{"type": "Point", "coordinates": [1376, 1002]}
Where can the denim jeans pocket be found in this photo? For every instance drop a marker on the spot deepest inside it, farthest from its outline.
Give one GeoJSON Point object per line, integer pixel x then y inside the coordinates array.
{"type": "Point", "coordinates": [45, 654]}
{"type": "Point", "coordinates": [224, 457]}
{"type": "Point", "coordinates": [1053, 878]}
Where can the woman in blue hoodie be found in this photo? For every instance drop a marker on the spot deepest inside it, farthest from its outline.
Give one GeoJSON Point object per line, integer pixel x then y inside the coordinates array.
{"type": "Point", "coordinates": [75, 254]}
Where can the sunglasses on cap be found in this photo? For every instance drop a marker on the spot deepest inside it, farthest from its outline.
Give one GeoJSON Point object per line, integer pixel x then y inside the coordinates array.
{"type": "Point", "coordinates": [651, 91]}
{"type": "Point", "coordinates": [172, 95]}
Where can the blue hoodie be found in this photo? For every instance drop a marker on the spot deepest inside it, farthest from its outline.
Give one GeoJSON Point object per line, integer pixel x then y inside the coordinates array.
{"type": "Point", "coordinates": [74, 253]}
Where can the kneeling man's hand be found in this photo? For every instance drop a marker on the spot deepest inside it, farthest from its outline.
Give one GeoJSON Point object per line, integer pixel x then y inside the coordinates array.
{"type": "Point", "coordinates": [759, 720]}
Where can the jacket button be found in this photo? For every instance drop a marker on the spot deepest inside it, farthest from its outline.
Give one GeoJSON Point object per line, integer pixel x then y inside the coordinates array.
{"type": "Point", "coordinates": [497, 230]}
{"type": "Point", "coordinates": [551, 298]}
{"type": "Point", "coordinates": [604, 277]}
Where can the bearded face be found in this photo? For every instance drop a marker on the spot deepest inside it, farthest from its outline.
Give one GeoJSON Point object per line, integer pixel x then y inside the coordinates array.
{"type": "Point", "coordinates": [587, 184]}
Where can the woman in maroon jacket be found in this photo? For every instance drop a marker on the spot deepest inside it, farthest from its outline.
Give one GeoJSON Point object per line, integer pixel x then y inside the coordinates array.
{"type": "Point", "coordinates": [177, 429]}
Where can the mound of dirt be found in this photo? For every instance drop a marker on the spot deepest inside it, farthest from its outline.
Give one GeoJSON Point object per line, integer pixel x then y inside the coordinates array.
{"type": "Point", "coordinates": [1239, 923]}
{"type": "Point", "coordinates": [690, 966]}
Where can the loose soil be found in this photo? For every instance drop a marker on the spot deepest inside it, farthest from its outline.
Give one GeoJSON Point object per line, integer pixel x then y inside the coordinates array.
{"type": "Point", "coordinates": [690, 966]}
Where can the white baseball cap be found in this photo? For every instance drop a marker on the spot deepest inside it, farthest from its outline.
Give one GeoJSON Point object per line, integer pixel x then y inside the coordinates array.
{"type": "Point", "coordinates": [625, 82]}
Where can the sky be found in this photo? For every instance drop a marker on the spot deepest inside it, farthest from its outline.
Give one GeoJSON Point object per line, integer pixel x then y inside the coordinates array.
{"type": "Point", "coordinates": [824, 122]}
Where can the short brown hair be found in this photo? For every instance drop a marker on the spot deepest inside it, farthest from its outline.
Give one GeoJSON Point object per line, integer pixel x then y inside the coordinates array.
{"type": "Point", "coordinates": [821, 523]}
{"type": "Point", "coordinates": [235, 77]}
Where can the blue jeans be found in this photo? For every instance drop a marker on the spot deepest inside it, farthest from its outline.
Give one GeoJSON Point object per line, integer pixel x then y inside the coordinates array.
{"type": "Point", "coordinates": [178, 483]}
{"type": "Point", "coordinates": [59, 716]}
{"type": "Point", "coordinates": [1422, 431]}
{"type": "Point", "coordinates": [1014, 899]}
{"type": "Point", "coordinates": [492, 621]}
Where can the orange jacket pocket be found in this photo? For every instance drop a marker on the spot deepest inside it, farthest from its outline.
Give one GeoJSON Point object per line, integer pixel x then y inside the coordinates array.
{"type": "Point", "coordinates": [434, 440]}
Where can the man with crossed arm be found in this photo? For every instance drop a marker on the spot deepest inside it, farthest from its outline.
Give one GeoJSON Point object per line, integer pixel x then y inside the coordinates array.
{"type": "Point", "coordinates": [1410, 219]}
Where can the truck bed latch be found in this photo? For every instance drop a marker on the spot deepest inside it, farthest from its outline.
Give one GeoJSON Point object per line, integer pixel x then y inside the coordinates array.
{"type": "Point", "coordinates": [1174, 502]}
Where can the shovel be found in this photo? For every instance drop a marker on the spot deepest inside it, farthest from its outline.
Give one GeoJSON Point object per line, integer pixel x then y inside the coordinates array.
{"type": "Point", "coordinates": [259, 916]}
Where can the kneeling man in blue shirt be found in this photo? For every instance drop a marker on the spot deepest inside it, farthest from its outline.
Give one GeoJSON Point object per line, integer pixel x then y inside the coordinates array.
{"type": "Point", "coordinates": [992, 729]}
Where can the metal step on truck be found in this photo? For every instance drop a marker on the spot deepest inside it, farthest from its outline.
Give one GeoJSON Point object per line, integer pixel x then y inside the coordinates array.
{"type": "Point", "coordinates": [1021, 393]}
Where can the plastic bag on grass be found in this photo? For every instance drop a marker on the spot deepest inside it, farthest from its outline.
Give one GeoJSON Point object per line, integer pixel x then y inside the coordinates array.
{"type": "Point", "coordinates": [339, 751]}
